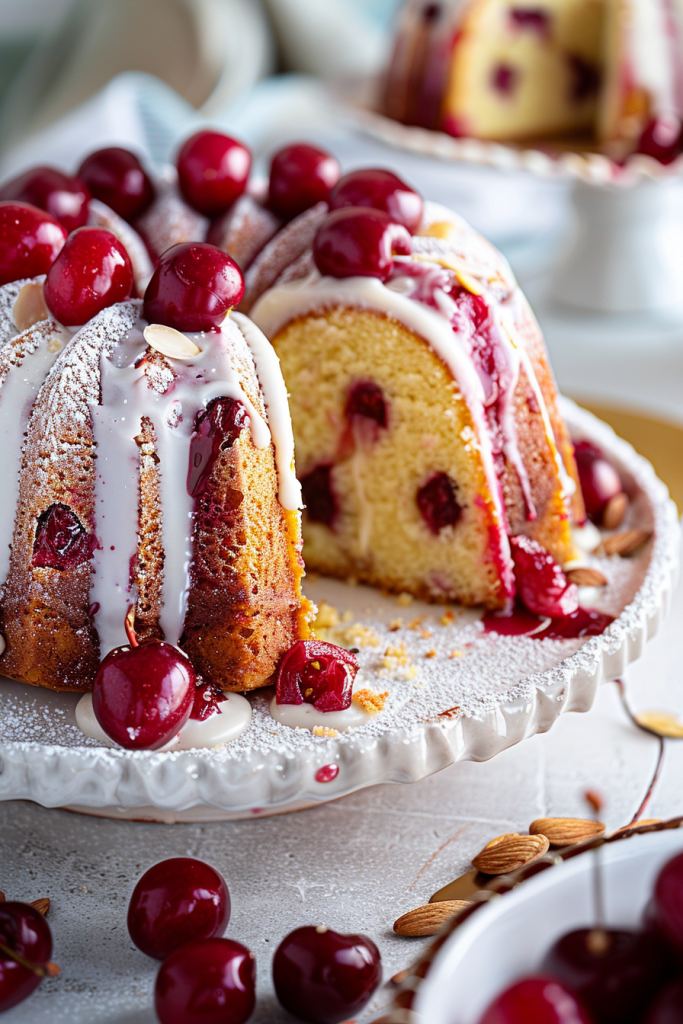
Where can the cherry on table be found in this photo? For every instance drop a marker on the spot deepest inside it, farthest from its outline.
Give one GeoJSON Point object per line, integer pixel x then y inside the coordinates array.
{"type": "Point", "coordinates": [667, 1007]}
{"type": "Point", "coordinates": [64, 198]}
{"type": "Point", "coordinates": [116, 177]}
{"type": "Point", "coordinates": [91, 272]}
{"type": "Point", "coordinates": [598, 478]}
{"type": "Point", "coordinates": [359, 242]}
{"type": "Point", "coordinates": [538, 999]}
{"type": "Point", "coordinates": [175, 901]}
{"type": "Point", "coordinates": [614, 972]}
{"type": "Point", "coordinates": [301, 176]}
{"type": "Point", "coordinates": [317, 673]}
{"type": "Point", "coordinates": [541, 583]}
{"type": "Point", "coordinates": [381, 190]}
{"type": "Point", "coordinates": [666, 909]}
{"type": "Point", "coordinates": [30, 241]}
{"type": "Point", "coordinates": [206, 981]}
{"type": "Point", "coordinates": [24, 932]}
{"type": "Point", "coordinates": [193, 287]}
{"type": "Point", "coordinates": [213, 171]}
{"type": "Point", "coordinates": [143, 694]}
{"type": "Point", "coordinates": [324, 977]}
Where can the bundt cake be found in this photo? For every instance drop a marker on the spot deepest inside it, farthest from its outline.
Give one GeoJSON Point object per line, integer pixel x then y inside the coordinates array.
{"type": "Point", "coordinates": [425, 414]}
{"type": "Point", "coordinates": [149, 462]}
{"type": "Point", "coordinates": [510, 70]}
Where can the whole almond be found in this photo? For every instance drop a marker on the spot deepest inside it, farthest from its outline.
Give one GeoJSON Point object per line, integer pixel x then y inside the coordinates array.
{"type": "Point", "coordinates": [585, 576]}
{"type": "Point", "coordinates": [29, 306]}
{"type": "Point", "coordinates": [615, 511]}
{"type": "Point", "coordinates": [42, 905]}
{"type": "Point", "coordinates": [427, 920]}
{"type": "Point", "coordinates": [626, 542]}
{"type": "Point", "coordinates": [566, 831]}
{"type": "Point", "coordinates": [509, 852]}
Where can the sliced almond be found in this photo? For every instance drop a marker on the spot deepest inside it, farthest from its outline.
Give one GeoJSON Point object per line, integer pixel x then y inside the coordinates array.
{"type": "Point", "coordinates": [509, 852]}
{"type": "Point", "coordinates": [42, 905]}
{"type": "Point", "coordinates": [615, 512]}
{"type": "Point", "coordinates": [566, 831]}
{"type": "Point", "coordinates": [29, 306]}
{"type": "Point", "coordinates": [171, 343]}
{"type": "Point", "coordinates": [427, 920]}
{"type": "Point", "coordinates": [585, 576]}
{"type": "Point", "coordinates": [626, 542]}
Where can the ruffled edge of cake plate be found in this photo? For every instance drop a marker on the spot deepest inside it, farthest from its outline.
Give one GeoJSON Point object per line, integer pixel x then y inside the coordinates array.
{"type": "Point", "coordinates": [195, 786]}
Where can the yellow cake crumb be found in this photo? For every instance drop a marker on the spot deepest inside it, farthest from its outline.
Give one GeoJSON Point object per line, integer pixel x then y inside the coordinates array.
{"type": "Point", "coordinates": [455, 654]}
{"type": "Point", "coordinates": [347, 616]}
{"type": "Point", "coordinates": [447, 618]}
{"type": "Point", "coordinates": [327, 617]}
{"type": "Point", "coordinates": [395, 625]}
{"type": "Point", "coordinates": [370, 701]}
{"type": "Point", "coordinates": [323, 730]}
{"type": "Point", "coordinates": [431, 654]}
{"type": "Point", "coordinates": [416, 623]}
{"type": "Point", "coordinates": [357, 635]}
{"type": "Point", "coordinates": [426, 633]}
{"type": "Point", "coordinates": [405, 600]}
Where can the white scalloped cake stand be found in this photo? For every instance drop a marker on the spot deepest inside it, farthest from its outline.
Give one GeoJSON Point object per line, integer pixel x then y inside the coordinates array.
{"type": "Point", "coordinates": [455, 693]}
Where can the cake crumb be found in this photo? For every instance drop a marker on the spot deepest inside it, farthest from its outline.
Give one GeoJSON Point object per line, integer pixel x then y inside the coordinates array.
{"type": "Point", "coordinates": [327, 616]}
{"type": "Point", "coordinates": [455, 654]}
{"type": "Point", "coordinates": [323, 730]}
{"type": "Point", "coordinates": [371, 701]}
{"type": "Point", "coordinates": [416, 623]}
{"type": "Point", "coordinates": [347, 616]}
{"type": "Point", "coordinates": [356, 635]}
{"type": "Point", "coordinates": [394, 656]}
{"type": "Point", "coordinates": [447, 618]}
{"type": "Point", "coordinates": [405, 600]}
{"type": "Point", "coordinates": [395, 625]}
{"type": "Point", "coordinates": [431, 654]}
{"type": "Point", "coordinates": [426, 633]}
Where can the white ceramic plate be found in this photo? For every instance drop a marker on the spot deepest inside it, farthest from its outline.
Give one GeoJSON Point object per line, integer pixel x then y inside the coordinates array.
{"type": "Point", "coordinates": [495, 692]}
{"type": "Point", "coordinates": [509, 937]}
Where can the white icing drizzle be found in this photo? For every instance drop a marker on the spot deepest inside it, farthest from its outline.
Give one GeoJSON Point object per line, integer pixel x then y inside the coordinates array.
{"type": "Point", "coordinates": [233, 720]}
{"type": "Point", "coordinates": [280, 422]}
{"type": "Point", "coordinates": [127, 397]}
{"type": "Point", "coordinates": [305, 716]}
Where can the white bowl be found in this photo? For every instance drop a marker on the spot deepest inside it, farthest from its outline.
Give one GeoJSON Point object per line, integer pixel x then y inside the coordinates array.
{"type": "Point", "coordinates": [510, 936]}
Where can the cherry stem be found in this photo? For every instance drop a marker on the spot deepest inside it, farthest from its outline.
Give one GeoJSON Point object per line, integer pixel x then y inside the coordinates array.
{"type": "Point", "coordinates": [129, 624]}
{"type": "Point", "coordinates": [660, 757]}
{"type": "Point", "coordinates": [42, 970]}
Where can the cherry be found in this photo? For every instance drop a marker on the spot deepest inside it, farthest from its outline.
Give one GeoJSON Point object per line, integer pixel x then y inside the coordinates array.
{"type": "Point", "coordinates": [534, 20]}
{"type": "Point", "coordinates": [317, 673]}
{"type": "Point", "coordinates": [64, 198]}
{"type": "Point", "coordinates": [206, 981]}
{"type": "Point", "coordinates": [598, 478]}
{"type": "Point", "coordinates": [116, 177]}
{"type": "Point", "coordinates": [176, 901]}
{"type": "Point", "coordinates": [300, 177]}
{"type": "Point", "coordinates": [324, 977]}
{"type": "Point", "coordinates": [356, 242]}
{"type": "Point", "coordinates": [319, 497]}
{"type": "Point", "coordinates": [536, 1000]}
{"type": "Point", "coordinates": [613, 972]}
{"type": "Point", "coordinates": [667, 904]}
{"type": "Point", "coordinates": [366, 399]}
{"type": "Point", "coordinates": [61, 540]}
{"type": "Point", "coordinates": [662, 139]}
{"type": "Point", "coordinates": [504, 78]}
{"type": "Point", "coordinates": [25, 933]}
{"type": "Point", "coordinates": [92, 271]}
{"type": "Point", "coordinates": [213, 170]}
{"type": "Point", "coordinates": [381, 190]}
{"type": "Point", "coordinates": [216, 429]}
{"type": "Point", "coordinates": [585, 78]}
{"type": "Point", "coordinates": [207, 697]}
{"type": "Point", "coordinates": [541, 584]}
{"type": "Point", "coordinates": [143, 694]}
{"type": "Point", "coordinates": [437, 503]}
{"type": "Point", "coordinates": [30, 240]}
{"type": "Point", "coordinates": [193, 287]}
{"type": "Point", "coordinates": [668, 1005]}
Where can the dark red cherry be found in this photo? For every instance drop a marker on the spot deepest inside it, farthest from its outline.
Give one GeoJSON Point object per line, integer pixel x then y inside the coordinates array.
{"type": "Point", "coordinates": [24, 931]}
{"type": "Point", "coordinates": [143, 694]}
{"type": "Point", "coordinates": [324, 977]}
{"type": "Point", "coordinates": [92, 271]}
{"type": "Point", "coordinates": [206, 981]}
{"type": "Point", "coordinates": [213, 170]}
{"type": "Point", "coordinates": [319, 497]}
{"type": "Point", "coordinates": [300, 177]}
{"type": "Point", "coordinates": [666, 912]}
{"type": "Point", "coordinates": [193, 286]}
{"type": "Point", "coordinates": [598, 478]}
{"type": "Point", "coordinates": [667, 1007]}
{"type": "Point", "coordinates": [504, 78]}
{"type": "Point", "coordinates": [584, 78]}
{"type": "Point", "coordinates": [216, 429]}
{"type": "Point", "coordinates": [536, 1000]}
{"type": "Point", "coordinates": [116, 177]}
{"type": "Point", "coordinates": [541, 584]}
{"type": "Point", "coordinates": [30, 240]}
{"type": "Point", "coordinates": [615, 973]}
{"type": "Point", "coordinates": [207, 697]}
{"type": "Point", "coordinates": [357, 242]}
{"type": "Point", "coordinates": [317, 673]}
{"type": "Point", "coordinates": [176, 901]}
{"type": "Point", "coordinates": [382, 190]}
{"type": "Point", "coordinates": [438, 504]}
{"type": "Point", "coordinates": [64, 198]}
{"type": "Point", "coordinates": [61, 540]}
{"type": "Point", "coordinates": [533, 20]}
{"type": "Point", "coordinates": [366, 399]}
{"type": "Point", "coordinates": [662, 139]}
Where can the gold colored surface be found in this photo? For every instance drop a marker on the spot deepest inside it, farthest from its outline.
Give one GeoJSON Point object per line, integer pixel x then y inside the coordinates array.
{"type": "Point", "coordinates": [657, 440]}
